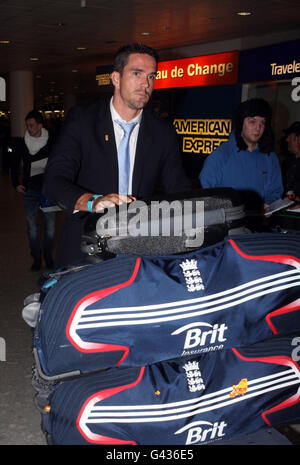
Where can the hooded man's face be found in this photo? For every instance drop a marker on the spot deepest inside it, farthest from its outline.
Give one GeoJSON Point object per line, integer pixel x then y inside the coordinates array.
{"type": "Point", "coordinates": [253, 129]}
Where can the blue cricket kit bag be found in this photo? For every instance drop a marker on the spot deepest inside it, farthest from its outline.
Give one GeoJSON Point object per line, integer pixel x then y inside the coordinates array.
{"type": "Point", "coordinates": [131, 311]}
{"type": "Point", "coordinates": [188, 401]}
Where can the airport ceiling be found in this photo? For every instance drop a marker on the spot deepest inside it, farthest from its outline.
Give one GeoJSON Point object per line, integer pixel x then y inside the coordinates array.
{"type": "Point", "coordinates": [69, 38]}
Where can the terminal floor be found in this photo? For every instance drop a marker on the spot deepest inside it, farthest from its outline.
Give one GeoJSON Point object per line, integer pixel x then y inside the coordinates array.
{"type": "Point", "coordinates": [19, 419]}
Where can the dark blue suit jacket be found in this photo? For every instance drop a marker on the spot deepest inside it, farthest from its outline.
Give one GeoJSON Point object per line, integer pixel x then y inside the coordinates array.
{"type": "Point", "coordinates": [85, 160]}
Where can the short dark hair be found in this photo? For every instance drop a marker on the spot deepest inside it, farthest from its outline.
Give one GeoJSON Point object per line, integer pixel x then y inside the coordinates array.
{"type": "Point", "coordinates": [122, 56]}
{"type": "Point", "coordinates": [254, 107]}
{"type": "Point", "coordinates": [35, 114]}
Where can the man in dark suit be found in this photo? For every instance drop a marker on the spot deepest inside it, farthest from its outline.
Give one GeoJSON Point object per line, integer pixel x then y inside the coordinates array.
{"type": "Point", "coordinates": [84, 162]}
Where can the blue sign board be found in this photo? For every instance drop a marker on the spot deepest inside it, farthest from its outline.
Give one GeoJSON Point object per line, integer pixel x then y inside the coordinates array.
{"type": "Point", "coordinates": [274, 62]}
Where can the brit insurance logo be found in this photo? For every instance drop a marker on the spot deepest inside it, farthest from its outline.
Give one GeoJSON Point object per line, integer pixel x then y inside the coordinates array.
{"type": "Point", "coordinates": [202, 431]}
{"type": "Point", "coordinates": [202, 337]}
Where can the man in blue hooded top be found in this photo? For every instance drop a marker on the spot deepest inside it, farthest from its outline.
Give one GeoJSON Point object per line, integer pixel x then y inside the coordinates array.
{"type": "Point", "coordinates": [246, 162]}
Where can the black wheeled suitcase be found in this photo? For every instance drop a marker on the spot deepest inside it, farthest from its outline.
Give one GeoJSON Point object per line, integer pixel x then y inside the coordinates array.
{"type": "Point", "coordinates": [191, 401]}
{"type": "Point", "coordinates": [167, 225]}
{"type": "Point", "coordinates": [134, 310]}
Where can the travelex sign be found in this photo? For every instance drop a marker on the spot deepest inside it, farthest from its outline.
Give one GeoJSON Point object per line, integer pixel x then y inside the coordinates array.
{"type": "Point", "coordinates": [273, 62]}
{"type": "Point", "coordinates": [207, 70]}
{"type": "Point", "coordinates": [202, 136]}
{"type": "Point", "coordinates": [289, 68]}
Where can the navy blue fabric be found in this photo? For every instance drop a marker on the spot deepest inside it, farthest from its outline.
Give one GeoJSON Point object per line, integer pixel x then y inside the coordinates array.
{"type": "Point", "coordinates": [131, 311]}
{"type": "Point", "coordinates": [192, 401]}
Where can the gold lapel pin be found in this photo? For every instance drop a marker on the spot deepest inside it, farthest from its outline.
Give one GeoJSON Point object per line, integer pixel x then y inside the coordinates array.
{"type": "Point", "coordinates": [106, 137]}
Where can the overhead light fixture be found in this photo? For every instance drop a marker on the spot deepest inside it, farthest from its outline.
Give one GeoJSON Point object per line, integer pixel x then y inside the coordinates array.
{"type": "Point", "coordinates": [34, 59]}
{"type": "Point", "coordinates": [244, 13]}
{"type": "Point", "coordinates": [81, 48]}
{"type": "Point", "coordinates": [5, 42]}
{"type": "Point", "coordinates": [146, 33]}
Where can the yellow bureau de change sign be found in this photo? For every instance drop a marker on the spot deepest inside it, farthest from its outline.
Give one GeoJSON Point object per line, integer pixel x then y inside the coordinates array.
{"type": "Point", "coordinates": [202, 136]}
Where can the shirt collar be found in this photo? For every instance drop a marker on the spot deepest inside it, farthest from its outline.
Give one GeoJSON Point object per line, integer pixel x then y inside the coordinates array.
{"type": "Point", "coordinates": [115, 115]}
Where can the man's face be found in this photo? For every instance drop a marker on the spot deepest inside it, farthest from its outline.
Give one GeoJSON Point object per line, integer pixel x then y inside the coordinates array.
{"type": "Point", "coordinates": [33, 127]}
{"type": "Point", "coordinates": [253, 129]}
{"type": "Point", "coordinates": [293, 142]}
{"type": "Point", "coordinates": [134, 87]}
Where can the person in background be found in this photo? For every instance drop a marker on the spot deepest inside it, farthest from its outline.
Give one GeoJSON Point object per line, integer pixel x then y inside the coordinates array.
{"type": "Point", "coordinates": [33, 151]}
{"type": "Point", "coordinates": [246, 162]}
{"type": "Point", "coordinates": [86, 171]}
{"type": "Point", "coordinates": [291, 163]}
